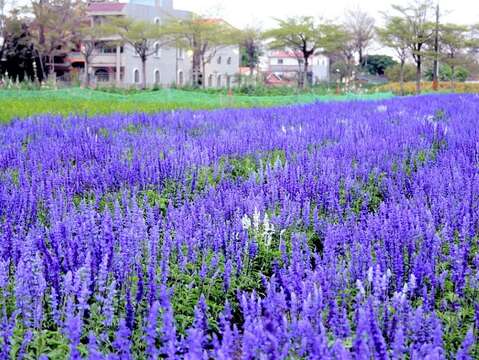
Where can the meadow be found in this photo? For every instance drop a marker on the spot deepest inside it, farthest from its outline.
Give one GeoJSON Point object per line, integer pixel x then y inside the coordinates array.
{"type": "Point", "coordinates": [23, 103]}
{"type": "Point", "coordinates": [333, 230]}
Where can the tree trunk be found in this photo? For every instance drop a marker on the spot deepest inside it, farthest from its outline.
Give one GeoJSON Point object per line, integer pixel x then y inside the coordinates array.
{"type": "Point", "coordinates": [41, 75]}
{"type": "Point", "coordinates": [203, 71]}
{"type": "Point", "coordinates": [453, 75]}
{"type": "Point", "coordinates": [418, 74]}
{"type": "Point", "coordinates": [360, 52]}
{"type": "Point", "coordinates": [87, 73]}
{"type": "Point", "coordinates": [401, 77]}
{"type": "Point", "coordinates": [305, 72]}
{"type": "Point", "coordinates": [196, 66]}
{"type": "Point", "coordinates": [51, 58]}
{"type": "Point", "coordinates": [143, 73]}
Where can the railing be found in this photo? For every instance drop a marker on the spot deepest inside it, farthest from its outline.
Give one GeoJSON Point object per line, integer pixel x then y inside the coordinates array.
{"type": "Point", "coordinates": [102, 78]}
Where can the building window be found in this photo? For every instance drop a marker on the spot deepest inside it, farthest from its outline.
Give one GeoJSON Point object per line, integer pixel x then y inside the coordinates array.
{"type": "Point", "coordinates": [136, 76]}
{"type": "Point", "coordinates": [229, 61]}
{"type": "Point", "coordinates": [219, 60]}
{"type": "Point", "coordinates": [105, 48]}
{"type": "Point", "coordinates": [157, 77]}
{"type": "Point", "coordinates": [218, 81]}
{"type": "Point", "coordinates": [180, 78]}
{"type": "Point", "coordinates": [181, 53]}
{"type": "Point", "coordinates": [228, 81]}
{"type": "Point", "coordinates": [102, 75]}
{"type": "Point", "coordinates": [280, 61]}
{"type": "Point", "coordinates": [157, 50]}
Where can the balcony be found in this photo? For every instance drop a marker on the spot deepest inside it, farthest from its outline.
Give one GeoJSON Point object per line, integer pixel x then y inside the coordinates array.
{"type": "Point", "coordinates": [75, 57]}
{"type": "Point", "coordinates": [281, 68]}
{"type": "Point", "coordinates": [106, 59]}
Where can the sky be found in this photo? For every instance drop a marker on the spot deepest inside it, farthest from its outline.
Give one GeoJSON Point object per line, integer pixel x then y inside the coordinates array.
{"type": "Point", "coordinates": [241, 13]}
{"type": "Point", "coordinates": [245, 12]}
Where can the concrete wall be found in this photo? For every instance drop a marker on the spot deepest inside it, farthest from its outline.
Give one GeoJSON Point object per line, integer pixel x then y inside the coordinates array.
{"type": "Point", "coordinates": [319, 66]}
{"type": "Point", "coordinates": [171, 63]}
{"type": "Point", "coordinates": [219, 72]}
{"type": "Point", "coordinates": [167, 64]}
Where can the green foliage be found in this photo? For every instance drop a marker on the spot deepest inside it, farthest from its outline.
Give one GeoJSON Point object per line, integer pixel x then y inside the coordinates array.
{"type": "Point", "coordinates": [377, 64]}
{"type": "Point", "coordinates": [90, 102]}
{"type": "Point", "coordinates": [445, 73]}
{"type": "Point", "coordinates": [393, 72]}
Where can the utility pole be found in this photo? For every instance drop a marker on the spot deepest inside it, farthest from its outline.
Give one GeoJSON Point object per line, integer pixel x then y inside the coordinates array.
{"type": "Point", "coordinates": [435, 75]}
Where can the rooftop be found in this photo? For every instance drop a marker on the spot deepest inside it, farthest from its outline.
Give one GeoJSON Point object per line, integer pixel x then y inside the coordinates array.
{"type": "Point", "coordinates": [106, 7]}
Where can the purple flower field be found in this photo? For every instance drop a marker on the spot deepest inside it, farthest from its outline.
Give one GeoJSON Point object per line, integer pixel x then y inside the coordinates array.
{"type": "Point", "coordinates": [327, 231]}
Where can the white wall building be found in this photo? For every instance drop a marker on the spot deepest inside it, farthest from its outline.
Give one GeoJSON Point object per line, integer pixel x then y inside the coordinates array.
{"type": "Point", "coordinates": [287, 65]}
{"type": "Point", "coordinates": [168, 66]}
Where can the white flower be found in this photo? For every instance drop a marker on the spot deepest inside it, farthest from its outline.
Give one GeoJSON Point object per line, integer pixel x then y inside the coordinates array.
{"type": "Point", "coordinates": [360, 287]}
{"type": "Point", "coordinates": [382, 108]}
{"type": "Point", "coordinates": [266, 221]}
{"type": "Point", "coordinates": [283, 129]}
{"type": "Point", "coordinates": [412, 282]}
{"type": "Point", "coordinates": [256, 218]}
{"type": "Point", "coordinates": [246, 222]}
{"type": "Point", "coordinates": [370, 275]}
{"type": "Point", "coordinates": [268, 237]}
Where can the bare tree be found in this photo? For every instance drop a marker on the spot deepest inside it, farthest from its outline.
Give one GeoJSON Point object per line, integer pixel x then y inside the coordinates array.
{"type": "Point", "coordinates": [361, 26]}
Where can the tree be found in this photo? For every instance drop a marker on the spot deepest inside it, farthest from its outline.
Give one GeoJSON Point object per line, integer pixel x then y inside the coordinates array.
{"type": "Point", "coordinates": [251, 47]}
{"type": "Point", "coordinates": [142, 36]}
{"type": "Point", "coordinates": [304, 37]}
{"type": "Point", "coordinates": [377, 64]}
{"type": "Point", "coordinates": [398, 73]}
{"type": "Point", "coordinates": [2, 32]}
{"type": "Point", "coordinates": [453, 40]}
{"type": "Point", "coordinates": [395, 35]}
{"type": "Point", "coordinates": [445, 73]}
{"type": "Point", "coordinates": [18, 51]}
{"type": "Point", "coordinates": [204, 37]}
{"type": "Point", "coordinates": [339, 42]}
{"type": "Point", "coordinates": [90, 37]}
{"type": "Point", "coordinates": [361, 26]}
{"type": "Point", "coordinates": [419, 31]}
{"type": "Point", "coordinates": [54, 29]}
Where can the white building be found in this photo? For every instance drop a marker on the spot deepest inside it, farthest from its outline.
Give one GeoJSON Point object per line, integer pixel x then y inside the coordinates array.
{"type": "Point", "coordinates": [286, 65]}
{"type": "Point", "coordinates": [168, 66]}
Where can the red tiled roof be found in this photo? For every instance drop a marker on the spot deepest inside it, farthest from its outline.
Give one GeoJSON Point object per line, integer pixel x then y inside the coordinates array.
{"type": "Point", "coordinates": [285, 54]}
{"type": "Point", "coordinates": [273, 79]}
{"type": "Point", "coordinates": [106, 7]}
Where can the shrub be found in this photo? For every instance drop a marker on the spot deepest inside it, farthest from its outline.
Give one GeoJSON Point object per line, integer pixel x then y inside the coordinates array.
{"type": "Point", "coordinates": [392, 73]}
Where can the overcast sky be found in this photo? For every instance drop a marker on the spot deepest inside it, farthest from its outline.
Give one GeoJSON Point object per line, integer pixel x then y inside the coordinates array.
{"type": "Point", "coordinates": [262, 12]}
{"type": "Point", "coordinates": [244, 12]}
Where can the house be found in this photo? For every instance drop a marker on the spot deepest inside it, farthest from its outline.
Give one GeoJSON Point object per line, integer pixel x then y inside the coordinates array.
{"type": "Point", "coordinates": [112, 63]}
{"type": "Point", "coordinates": [286, 65]}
